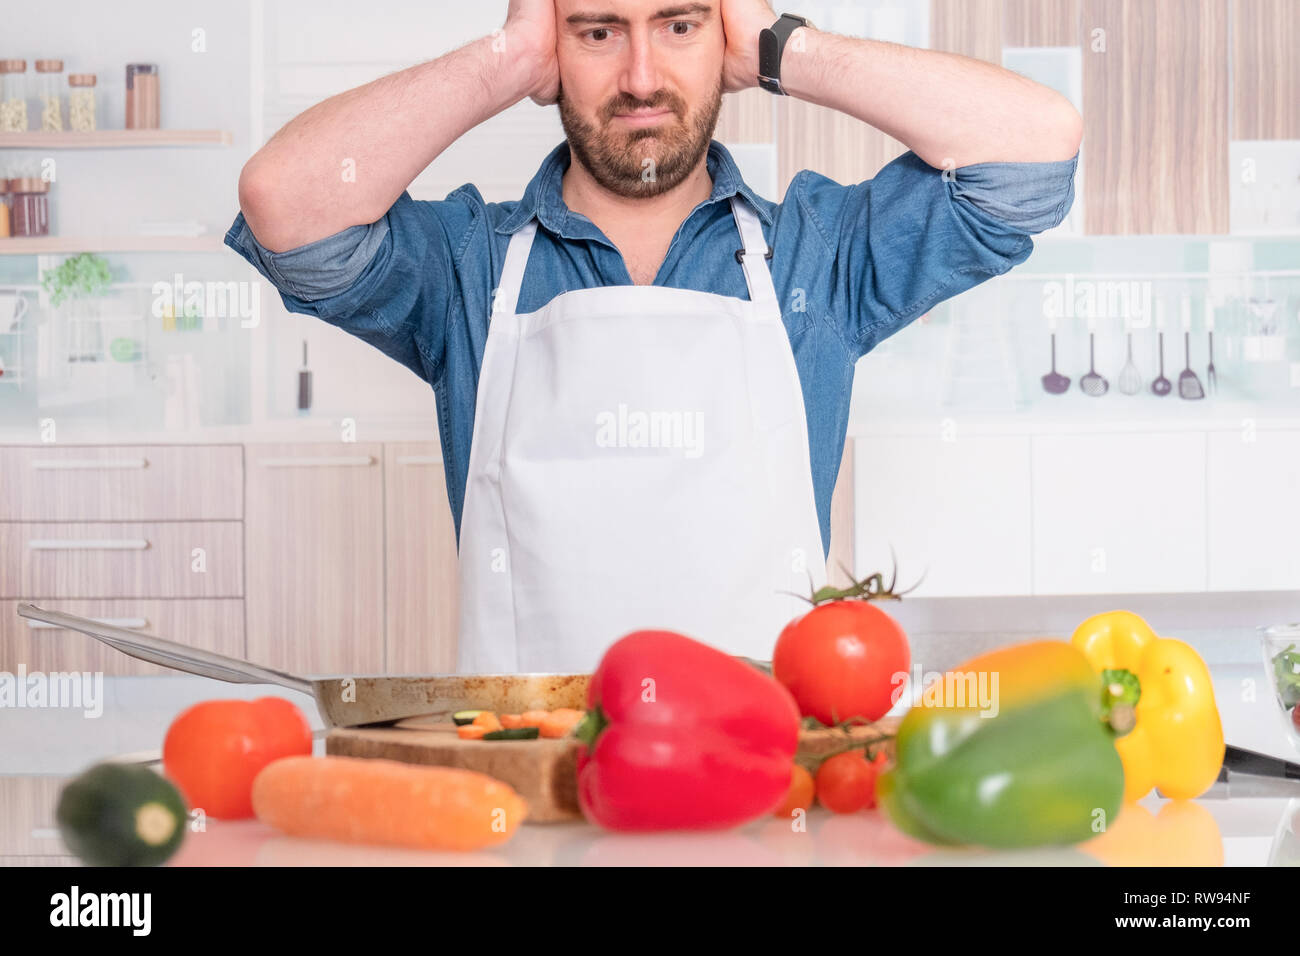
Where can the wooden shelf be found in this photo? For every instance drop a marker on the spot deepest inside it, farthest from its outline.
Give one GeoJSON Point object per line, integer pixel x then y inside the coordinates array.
{"type": "Point", "coordinates": [116, 139]}
{"type": "Point", "coordinates": [53, 245]}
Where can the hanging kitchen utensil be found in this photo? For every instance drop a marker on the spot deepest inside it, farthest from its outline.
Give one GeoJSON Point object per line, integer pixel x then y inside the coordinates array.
{"type": "Point", "coordinates": [343, 701]}
{"type": "Point", "coordinates": [1189, 386]}
{"type": "Point", "coordinates": [1054, 383]}
{"type": "Point", "coordinates": [1211, 377]}
{"type": "Point", "coordinates": [1092, 383]}
{"type": "Point", "coordinates": [1130, 379]}
{"type": "Point", "coordinates": [1162, 386]}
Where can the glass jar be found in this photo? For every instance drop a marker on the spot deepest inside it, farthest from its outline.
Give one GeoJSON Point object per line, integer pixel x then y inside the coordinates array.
{"type": "Point", "coordinates": [13, 96]}
{"type": "Point", "coordinates": [142, 98]}
{"type": "Point", "coordinates": [81, 102]}
{"type": "Point", "coordinates": [4, 209]}
{"type": "Point", "coordinates": [49, 91]}
{"type": "Point", "coordinates": [29, 206]}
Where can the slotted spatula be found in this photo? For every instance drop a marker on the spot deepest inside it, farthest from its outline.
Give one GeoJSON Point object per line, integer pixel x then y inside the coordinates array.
{"type": "Point", "coordinates": [1189, 386]}
{"type": "Point", "coordinates": [1130, 379]}
{"type": "Point", "coordinates": [1092, 383]}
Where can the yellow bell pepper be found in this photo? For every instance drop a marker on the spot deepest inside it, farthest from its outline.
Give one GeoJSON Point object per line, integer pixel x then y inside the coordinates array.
{"type": "Point", "coordinates": [1176, 741]}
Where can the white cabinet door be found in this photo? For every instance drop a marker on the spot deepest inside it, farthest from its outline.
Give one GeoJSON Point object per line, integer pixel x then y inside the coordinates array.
{"type": "Point", "coordinates": [956, 510]}
{"type": "Point", "coordinates": [1254, 510]}
{"type": "Point", "coordinates": [1119, 514]}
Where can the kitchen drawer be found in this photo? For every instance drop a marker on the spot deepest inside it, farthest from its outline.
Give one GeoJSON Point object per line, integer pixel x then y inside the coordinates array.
{"type": "Point", "coordinates": [28, 828]}
{"type": "Point", "coordinates": [213, 625]}
{"type": "Point", "coordinates": [122, 483]}
{"type": "Point", "coordinates": [121, 559]}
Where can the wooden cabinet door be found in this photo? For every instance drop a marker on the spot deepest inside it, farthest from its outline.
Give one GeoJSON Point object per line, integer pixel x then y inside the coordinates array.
{"type": "Point", "coordinates": [1119, 514]}
{"type": "Point", "coordinates": [1265, 69]}
{"type": "Point", "coordinates": [1155, 112]}
{"type": "Point", "coordinates": [423, 580]}
{"type": "Point", "coordinates": [956, 511]}
{"type": "Point", "coordinates": [314, 549]}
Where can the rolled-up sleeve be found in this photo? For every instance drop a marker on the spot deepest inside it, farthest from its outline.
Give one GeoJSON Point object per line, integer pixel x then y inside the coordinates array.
{"type": "Point", "coordinates": [914, 235]}
{"type": "Point", "coordinates": [389, 282]}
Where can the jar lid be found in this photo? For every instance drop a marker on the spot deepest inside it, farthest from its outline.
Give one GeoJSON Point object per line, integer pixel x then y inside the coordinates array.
{"type": "Point", "coordinates": [13, 66]}
{"type": "Point", "coordinates": [82, 79]}
{"type": "Point", "coordinates": [29, 184]}
{"type": "Point", "coordinates": [136, 68]}
{"type": "Point", "coordinates": [49, 66]}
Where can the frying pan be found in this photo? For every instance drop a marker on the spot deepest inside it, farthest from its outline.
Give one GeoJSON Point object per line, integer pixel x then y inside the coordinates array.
{"type": "Point", "coordinates": [344, 701]}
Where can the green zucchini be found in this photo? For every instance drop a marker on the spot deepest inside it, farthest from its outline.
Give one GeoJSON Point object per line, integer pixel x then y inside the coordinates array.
{"type": "Point", "coordinates": [462, 717]}
{"type": "Point", "coordinates": [121, 815]}
{"type": "Point", "coordinates": [513, 733]}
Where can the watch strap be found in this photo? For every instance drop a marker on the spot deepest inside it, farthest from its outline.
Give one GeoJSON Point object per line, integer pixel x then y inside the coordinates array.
{"type": "Point", "coordinates": [771, 46]}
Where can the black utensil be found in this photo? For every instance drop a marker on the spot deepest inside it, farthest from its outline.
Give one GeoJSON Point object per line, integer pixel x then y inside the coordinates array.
{"type": "Point", "coordinates": [1162, 386]}
{"type": "Point", "coordinates": [1054, 383]}
{"type": "Point", "coordinates": [1211, 378]}
{"type": "Point", "coordinates": [1092, 383]}
{"type": "Point", "coordinates": [1189, 386]}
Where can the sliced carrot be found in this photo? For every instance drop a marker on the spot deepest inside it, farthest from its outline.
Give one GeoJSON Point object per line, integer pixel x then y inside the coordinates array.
{"type": "Point", "coordinates": [470, 732]}
{"type": "Point", "coordinates": [511, 721]}
{"type": "Point", "coordinates": [560, 722]}
{"type": "Point", "coordinates": [488, 720]}
{"type": "Point", "coordinates": [432, 808]}
{"type": "Point", "coordinates": [533, 718]}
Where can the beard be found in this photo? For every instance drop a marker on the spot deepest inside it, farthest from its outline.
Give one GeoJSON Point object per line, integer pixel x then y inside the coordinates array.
{"type": "Point", "coordinates": [617, 157]}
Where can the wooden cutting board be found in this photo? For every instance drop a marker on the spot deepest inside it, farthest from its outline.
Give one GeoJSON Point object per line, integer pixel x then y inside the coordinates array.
{"type": "Point", "coordinates": [542, 771]}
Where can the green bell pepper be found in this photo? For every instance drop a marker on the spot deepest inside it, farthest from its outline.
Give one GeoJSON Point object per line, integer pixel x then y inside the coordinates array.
{"type": "Point", "coordinates": [1007, 750]}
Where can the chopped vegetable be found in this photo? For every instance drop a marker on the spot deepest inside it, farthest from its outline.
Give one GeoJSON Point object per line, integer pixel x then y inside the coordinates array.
{"type": "Point", "coordinates": [1286, 676]}
{"type": "Point", "coordinates": [511, 721]}
{"type": "Point", "coordinates": [121, 815]}
{"type": "Point", "coordinates": [471, 732]}
{"type": "Point", "coordinates": [464, 716]}
{"type": "Point", "coordinates": [514, 733]}
{"type": "Point", "coordinates": [488, 721]}
{"type": "Point", "coordinates": [560, 722]}
{"type": "Point", "coordinates": [360, 800]}
{"type": "Point", "coordinates": [533, 718]}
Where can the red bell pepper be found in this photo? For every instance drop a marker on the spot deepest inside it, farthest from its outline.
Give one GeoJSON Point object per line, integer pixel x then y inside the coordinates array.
{"type": "Point", "coordinates": [679, 735]}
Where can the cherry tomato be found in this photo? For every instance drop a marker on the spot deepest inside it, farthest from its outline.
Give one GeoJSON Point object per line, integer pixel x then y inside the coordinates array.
{"type": "Point", "coordinates": [846, 783]}
{"type": "Point", "coordinates": [214, 749]}
{"type": "Point", "coordinates": [799, 796]}
{"type": "Point", "coordinates": [842, 660]}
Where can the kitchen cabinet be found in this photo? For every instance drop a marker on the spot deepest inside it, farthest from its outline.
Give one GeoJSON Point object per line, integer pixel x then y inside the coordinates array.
{"type": "Point", "coordinates": [1040, 23]}
{"type": "Point", "coordinates": [970, 27]}
{"type": "Point", "coordinates": [422, 584]}
{"type": "Point", "coordinates": [1155, 110]}
{"type": "Point", "coordinates": [314, 545]}
{"type": "Point", "coordinates": [213, 625]}
{"type": "Point", "coordinates": [1265, 69]}
{"type": "Point", "coordinates": [956, 510]}
{"type": "Point", "coordinates": [1254, 510]}
{"type": "Point", "coordinates": [1119, 514]}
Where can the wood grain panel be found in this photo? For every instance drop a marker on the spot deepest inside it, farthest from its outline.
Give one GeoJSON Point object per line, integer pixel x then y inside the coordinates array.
{"type": "Point", "coordinates": [1265, 69]}
{"type": "Point", "coordinates": [314, 541]}
{"type": "Point", "coordinates": [746, 117]}
{"type": "Point", "coordinates": [27, 824]}
{"type": "Point", "coordinates": [105, 559]}
{"type": "Point", "coordinates": [211, 625]}
{"type": "Point", "coordinates": [122, 483]}
{"type": "Point", "coordinates": [422, 589]}
{"type": "Point", "coordinates": [834, 144]}
{"type": "Point", "coordinates": [1040, 22]}
{"type": "Point", "coordinates": [969, 27]}
{"type": "Point", "coordinates": [1155, 152]}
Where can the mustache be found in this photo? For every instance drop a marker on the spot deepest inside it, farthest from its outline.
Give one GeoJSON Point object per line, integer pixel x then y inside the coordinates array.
{"type": "Point", "coordinates": [627, 104]}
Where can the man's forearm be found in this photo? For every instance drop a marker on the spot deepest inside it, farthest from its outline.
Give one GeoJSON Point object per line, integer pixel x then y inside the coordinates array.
{"type": "Point", "coordinates": [345, 161]}
{"type": "Point", "coordinates": [950, 110]}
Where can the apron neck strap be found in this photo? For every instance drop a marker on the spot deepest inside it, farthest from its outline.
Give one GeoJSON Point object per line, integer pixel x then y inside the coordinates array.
{"type": "Point", "coordinates": [752, 255]}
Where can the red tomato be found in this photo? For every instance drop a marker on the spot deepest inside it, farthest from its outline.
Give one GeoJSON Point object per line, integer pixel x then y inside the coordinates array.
{"type": "Point", "coordinates": [846, 783]}
{"type": "Point", "coordinates": [800, 795]}
{"type": "Point", "coordinates": [842, 660]}
{"type": "Point", "coordinates": [213, 751]}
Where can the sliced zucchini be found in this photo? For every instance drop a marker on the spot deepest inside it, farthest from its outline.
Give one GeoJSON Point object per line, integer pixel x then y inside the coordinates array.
{"type": "Point", "coordinates": [514, 733]}
{"type": "Point", "coordinates": [462, 717]}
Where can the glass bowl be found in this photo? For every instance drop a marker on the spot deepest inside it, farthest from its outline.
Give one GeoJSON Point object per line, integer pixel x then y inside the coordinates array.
{"type": "Point", "coordinates": [1280, 646]}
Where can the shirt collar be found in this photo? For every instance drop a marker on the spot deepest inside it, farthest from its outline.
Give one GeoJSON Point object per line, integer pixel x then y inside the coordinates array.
{"type": "Point", "coordinates": [543, 197]}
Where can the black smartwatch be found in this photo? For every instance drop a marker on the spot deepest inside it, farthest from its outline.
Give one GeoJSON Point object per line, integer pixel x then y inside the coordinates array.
{"type": "Point", "coordinates": [771, 44]}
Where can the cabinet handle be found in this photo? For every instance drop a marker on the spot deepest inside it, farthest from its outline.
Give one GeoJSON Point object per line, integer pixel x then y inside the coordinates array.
{"type": "Point", "coordinates": [88, 544]}
{"type": "Point", "coordinates": [418, 460]}
{"type": "Point", "coordinates": [82, 464]}
{"type": "Point", "coordinates": [353, 461]}
{"type": "Point", "coordinates": [135, 623]}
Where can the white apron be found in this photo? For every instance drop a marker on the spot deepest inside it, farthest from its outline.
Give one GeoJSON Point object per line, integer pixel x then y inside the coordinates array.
{"type": "Point", "coordinates": [639, 460]}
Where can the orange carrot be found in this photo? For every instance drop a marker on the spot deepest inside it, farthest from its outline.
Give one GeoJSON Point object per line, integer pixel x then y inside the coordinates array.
{"type": "Point", "coordinates": [511, 721]}
{"type": "Point", "coordinates": [470, 732]}
{"type": "Point", "coordinates": [560, 722]}
{"type": "Point", "coordinates": [533, 718]}
{"type": "Point", "coordinates": [487, 720]}
{"type": "Point", "coordinates": [360, 800]}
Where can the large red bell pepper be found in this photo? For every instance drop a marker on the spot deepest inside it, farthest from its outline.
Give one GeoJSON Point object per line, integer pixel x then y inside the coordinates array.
{"type": "Point", "coordinates": [679, 735]}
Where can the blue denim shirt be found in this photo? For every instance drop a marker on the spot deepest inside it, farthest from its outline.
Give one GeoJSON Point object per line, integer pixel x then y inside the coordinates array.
{"type": "Point", "coordinates": [852, 264]}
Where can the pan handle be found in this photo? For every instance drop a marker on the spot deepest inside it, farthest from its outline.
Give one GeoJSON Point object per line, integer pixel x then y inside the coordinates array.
{"type": "Point", "coordinates": [155, 650]}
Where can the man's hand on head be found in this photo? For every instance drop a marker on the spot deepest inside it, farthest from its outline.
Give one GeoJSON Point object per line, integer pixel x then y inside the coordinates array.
{"type": "Point", "coordinates": [742, 22]}
{"type": "Point", "coordinates": [530, 35]}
